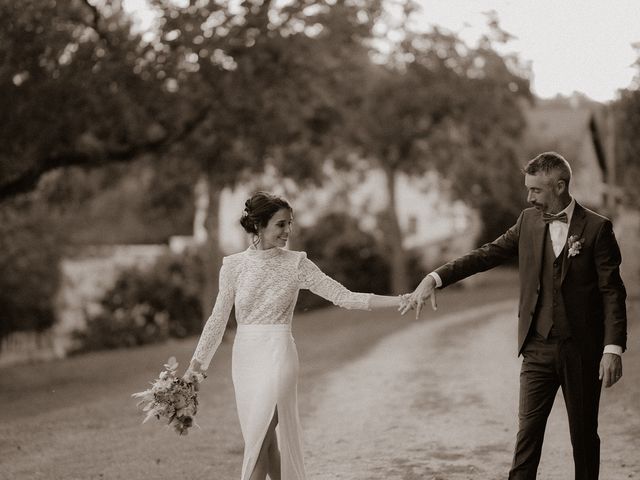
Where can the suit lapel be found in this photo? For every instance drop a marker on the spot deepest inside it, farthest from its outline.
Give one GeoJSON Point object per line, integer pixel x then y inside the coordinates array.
{"type": "Point", "coordinates": [538, 236]}
{"type": "Point", "coordinates": [578, 222]}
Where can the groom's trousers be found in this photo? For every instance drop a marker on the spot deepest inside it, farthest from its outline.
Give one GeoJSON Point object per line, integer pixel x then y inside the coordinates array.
{"type": "Point", "coordinates": [547, 365]}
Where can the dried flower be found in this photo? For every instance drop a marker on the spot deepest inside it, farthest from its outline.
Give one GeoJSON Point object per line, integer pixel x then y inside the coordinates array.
{"type": "Point", "coordinates": [575, 245]}
{"type": "Point", "coordinates": [172, 397]}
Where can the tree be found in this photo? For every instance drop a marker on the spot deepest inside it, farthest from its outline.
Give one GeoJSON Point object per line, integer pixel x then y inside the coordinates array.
{"type": "Point", "coordinates": [227, 89]}
{"type": "Point", "coordinates": [247, 85]}
{"type": "Point", "coordinates": [627, 121]}
{"type": "Point", "coordinates": [80, 90]}
{"type": "Point", "coordinates": [275, 77]}
{"type": "Point", "coordinates": [441, 104]}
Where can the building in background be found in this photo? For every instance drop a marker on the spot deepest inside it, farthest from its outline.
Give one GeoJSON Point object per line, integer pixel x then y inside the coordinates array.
{"type": "Point", "coordinates": [582, 133]}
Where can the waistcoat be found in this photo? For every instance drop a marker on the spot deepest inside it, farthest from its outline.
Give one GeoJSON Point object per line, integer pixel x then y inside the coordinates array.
{"type": "Point", "coordinates": [550, 315]}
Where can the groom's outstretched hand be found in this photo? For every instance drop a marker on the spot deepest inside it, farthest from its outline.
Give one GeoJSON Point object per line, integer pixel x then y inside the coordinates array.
{"type": "Point", "coordinates": [426, 289]}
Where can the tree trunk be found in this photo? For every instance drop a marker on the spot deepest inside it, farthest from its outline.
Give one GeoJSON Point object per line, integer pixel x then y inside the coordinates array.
{"type": "Point", "coordinates": [398, 260]}
{"type": "Point", "coordinates": [210, 250]}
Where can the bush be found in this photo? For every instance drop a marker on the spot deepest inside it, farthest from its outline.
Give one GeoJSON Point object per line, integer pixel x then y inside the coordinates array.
{"type": "Point", "coordinates": [345, 253]}
{"type": "Point", "coordinates": [29, 264]}
{"type": "Point", "coordinates": [148, 306]}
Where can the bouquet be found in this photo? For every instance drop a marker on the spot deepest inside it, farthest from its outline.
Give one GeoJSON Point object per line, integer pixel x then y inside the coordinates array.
{"type": "Point", "coordinates": [172, 398]}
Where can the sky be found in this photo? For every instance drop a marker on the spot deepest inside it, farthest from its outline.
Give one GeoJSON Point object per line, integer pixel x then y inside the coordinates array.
{"type": "Point", "coordinates": [573, 45]}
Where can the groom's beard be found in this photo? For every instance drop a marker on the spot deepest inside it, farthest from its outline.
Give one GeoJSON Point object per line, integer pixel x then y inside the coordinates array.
{"type": "Point", "coordinates": [548, 208]}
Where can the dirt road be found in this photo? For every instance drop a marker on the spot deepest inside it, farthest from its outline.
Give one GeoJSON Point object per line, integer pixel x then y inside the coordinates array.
{"type": "Point", "coordinates": [438, 400]}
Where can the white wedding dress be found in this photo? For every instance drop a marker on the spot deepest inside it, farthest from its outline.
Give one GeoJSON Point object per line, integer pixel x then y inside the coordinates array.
{"type": "Point", "coordinates": [264, 286]}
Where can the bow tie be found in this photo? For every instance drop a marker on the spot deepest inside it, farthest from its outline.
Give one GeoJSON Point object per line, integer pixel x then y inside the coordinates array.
{"type": "Point", "coordinates": [547, 218]}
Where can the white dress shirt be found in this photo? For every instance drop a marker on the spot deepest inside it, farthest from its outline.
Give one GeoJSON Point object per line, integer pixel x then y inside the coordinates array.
{"type": "Point", "coordinates": [558, 232]}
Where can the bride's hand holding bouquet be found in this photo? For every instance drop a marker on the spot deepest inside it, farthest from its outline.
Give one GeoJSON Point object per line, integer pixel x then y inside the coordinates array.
{"type": "Point", "coordinates": [172, 398]}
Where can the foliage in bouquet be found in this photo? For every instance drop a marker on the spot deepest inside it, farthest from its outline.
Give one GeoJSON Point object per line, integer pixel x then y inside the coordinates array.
{"type": "Point", "coordinates": [172, 398]}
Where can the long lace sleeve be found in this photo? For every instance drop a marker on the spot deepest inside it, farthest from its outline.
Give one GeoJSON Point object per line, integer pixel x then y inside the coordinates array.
{"type": "Point", "coordinates": [312, 278]}
{"type": "Point", "coordinates": [217, 321]}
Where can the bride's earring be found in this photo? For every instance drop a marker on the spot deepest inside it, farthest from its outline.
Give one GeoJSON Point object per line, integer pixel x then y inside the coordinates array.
{"type": "Point", "coordinates": [256, 239]}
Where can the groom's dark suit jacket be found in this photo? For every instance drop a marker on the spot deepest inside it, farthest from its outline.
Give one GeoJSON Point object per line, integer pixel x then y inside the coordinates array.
{"type": "Point", "coordinates": [593, 292]}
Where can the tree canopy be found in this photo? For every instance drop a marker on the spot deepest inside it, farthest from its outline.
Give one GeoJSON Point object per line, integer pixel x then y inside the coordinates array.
{"type": "Point", "coordinates": [79, 91]}
{"type": "Point", "coordinates": [223, 89]}
{"type": "Point", "coordinates": [226, 86]}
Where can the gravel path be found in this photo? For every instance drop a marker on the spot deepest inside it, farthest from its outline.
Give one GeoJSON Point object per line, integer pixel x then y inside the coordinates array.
{"type": "Point", "coordinates": [438, 400]}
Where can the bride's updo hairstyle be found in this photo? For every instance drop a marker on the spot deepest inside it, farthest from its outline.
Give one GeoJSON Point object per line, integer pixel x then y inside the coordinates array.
{"type": "Point", "coordinates": [259, 209]}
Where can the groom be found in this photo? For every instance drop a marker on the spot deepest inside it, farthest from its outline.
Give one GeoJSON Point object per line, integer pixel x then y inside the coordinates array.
{"type": "Point", "coordinates": [572, 326]}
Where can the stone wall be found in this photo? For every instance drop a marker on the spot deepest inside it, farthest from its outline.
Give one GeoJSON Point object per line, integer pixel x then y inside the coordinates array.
{"type": "Point", "coordinates": [22, 347]}
{"type": "Point", "coordinates": [86, 276]}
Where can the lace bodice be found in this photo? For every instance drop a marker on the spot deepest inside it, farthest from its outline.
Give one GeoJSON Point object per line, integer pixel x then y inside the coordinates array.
{"type": "Point", "coordinates": [263, 285]}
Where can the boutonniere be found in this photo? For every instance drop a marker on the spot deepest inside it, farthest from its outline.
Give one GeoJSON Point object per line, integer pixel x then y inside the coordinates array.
{"type": "Point", "coordinates": [575, 245]}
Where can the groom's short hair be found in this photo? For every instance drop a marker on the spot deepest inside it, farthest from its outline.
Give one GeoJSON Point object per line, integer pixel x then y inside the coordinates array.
{"type": "Point", "coordinates": [548, 162]}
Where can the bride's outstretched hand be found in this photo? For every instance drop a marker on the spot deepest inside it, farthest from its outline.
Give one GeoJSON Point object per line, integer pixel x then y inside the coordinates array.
{"type": "Point", "coordinates": [405, 303]}
{"type": "Point", "coordinates": [426, 289]}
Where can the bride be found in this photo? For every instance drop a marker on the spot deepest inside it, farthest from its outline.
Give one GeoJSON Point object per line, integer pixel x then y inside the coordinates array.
{"type": "Point", "coordinates": [263, 283]}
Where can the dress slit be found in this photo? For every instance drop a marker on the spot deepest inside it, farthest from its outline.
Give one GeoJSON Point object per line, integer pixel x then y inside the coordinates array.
{"type": "Point", "coordinates": [251, 457]}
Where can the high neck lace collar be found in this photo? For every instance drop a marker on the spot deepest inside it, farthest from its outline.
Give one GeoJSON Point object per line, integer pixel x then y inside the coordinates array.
{"type": "Point", "coordinates": [269, 253]}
